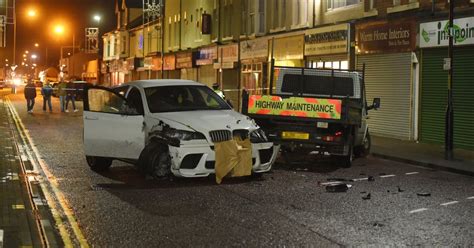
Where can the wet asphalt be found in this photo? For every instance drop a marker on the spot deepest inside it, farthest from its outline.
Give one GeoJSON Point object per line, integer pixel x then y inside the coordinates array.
{"type": "Point", "coordinates": [287, 207]}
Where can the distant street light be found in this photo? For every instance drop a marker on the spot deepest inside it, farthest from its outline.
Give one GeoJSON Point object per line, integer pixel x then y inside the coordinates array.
{"type": "Point", "coordinates": [36, 45]}
{"type": "Point", "coordinates": [59, 29]}
{"type": "Point", "coordinates": [31, 13]}
{"type": "Point", "coordinates": [27, 52]}
{"type": "Point", "coordinates": [34, 56]}
{"type": "Point", "coordinates": [97, 18]}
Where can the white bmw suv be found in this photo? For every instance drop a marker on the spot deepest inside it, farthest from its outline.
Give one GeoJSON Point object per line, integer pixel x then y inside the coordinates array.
{"type": "Point", "coordinates": [165, 126]}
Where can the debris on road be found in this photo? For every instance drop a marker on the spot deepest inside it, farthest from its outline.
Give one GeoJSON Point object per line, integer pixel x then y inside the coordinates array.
{"type": "Point", "coordinates": [371, 178]}
{"type": "Point", "coordinates": [423, 194]}
{"type": "Point", "coordinates": [337, 179]}
{"type": "Point", "coordinates": [367, 197]}
{"type": "Point", "coordinates": [399, 189]}
{"type": "Point", "coordinates": [337, 188]}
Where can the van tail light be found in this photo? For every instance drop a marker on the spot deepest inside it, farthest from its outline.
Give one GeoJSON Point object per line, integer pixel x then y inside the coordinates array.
{"type": "Point", "coordinates": [330, 138]}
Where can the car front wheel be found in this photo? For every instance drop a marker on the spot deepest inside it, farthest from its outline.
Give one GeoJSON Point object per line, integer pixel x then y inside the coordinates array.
{"type": "Point", "coordinates": [155, 160]}
{"type": "Point", "coordinates": [98, 163]}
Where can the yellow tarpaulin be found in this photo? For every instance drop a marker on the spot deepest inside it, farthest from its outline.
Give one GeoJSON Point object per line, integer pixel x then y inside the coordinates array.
{"type": "Point", "coordinates": [234, 158]}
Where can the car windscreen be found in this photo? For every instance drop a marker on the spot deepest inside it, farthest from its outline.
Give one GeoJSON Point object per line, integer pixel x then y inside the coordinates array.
{"type": "Point", "coordinates": [183, 98]}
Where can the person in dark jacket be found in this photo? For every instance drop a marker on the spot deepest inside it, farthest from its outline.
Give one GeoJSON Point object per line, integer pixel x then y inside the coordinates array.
{"type": "Point", "coordinates": [30, 95]}
{"type": "Point", "coordinates": [71, 95]}
{"type": "Point", "coordinates": [47, 92]}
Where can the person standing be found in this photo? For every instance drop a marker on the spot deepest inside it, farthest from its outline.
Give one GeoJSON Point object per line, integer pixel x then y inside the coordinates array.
{"type": "Point", "coordinates": [62, 94]}
{"type": "Point", "coordinates": [71, 95]}
{"type": "Point", "coordinates": [47, 92]}
{"type": "Point", "coordinates": [218, 91]}
{"type": "Point", "coordinates": [30, 95]}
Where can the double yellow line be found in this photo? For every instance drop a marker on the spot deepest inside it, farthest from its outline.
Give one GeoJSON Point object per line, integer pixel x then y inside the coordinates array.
{"type": "Point", "coordinates": [60, 208]}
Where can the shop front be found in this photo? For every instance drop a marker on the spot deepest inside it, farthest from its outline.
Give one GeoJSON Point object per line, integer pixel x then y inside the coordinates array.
{"type": "Point", "coordinates": [205, 60]}
{"type": "Point", "coordinates": [328, 47]}
{"type": "Point", "coordinates": [186, 62]}
{"type": "Point", "coordinates": [117, 76]}
{"type": "Point", "coordinates": [434, 81]}
{"type": "Point", "coordinates": [227, 66]}
{"type": "Point", "coordinates": [169, 67]}
{"type": "Point", "coordinates": [131, 65]}
{"type": "Point", "coordinates": [386, 48]}
{"type": "Point", "coordinates": [254, 66]}
{"type": "Point", "coordinates": [104, 78]}
{"type": "Point", "coordinates": [288, 51]}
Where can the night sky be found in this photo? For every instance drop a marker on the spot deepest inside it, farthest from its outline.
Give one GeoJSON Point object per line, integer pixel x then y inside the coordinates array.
{"type": "Point", "coordinates": [75, 14]}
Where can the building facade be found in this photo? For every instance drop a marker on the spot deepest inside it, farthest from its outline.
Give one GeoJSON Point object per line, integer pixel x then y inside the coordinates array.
{"type": "Point", "coordinates": [231, 42]}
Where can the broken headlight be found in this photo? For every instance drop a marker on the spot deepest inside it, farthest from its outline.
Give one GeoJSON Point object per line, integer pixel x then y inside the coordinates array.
{"type": "Point", "coordinates": [258, 136]}
{"type": "Point", "coordinates": [183, 135]}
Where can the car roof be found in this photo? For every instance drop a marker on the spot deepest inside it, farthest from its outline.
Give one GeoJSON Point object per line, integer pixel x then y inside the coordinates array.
{"type": "Point", "coordinates": [162, 82]}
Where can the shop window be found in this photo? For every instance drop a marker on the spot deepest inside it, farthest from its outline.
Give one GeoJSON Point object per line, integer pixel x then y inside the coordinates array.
{"type": "Point", "coordinates": [334, 4]}
{"type": "Point", "coordinates": [279, 14]}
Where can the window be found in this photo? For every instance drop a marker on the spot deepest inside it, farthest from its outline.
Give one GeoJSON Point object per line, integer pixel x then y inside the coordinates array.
{"type": "Point", "coordinates": [135, 99]}
{"type": "Point", "coordinates": [334, 4]}
{"type": "Point", "coordinates": [252, 17]}
{"type": "Point", "coordinates": [100, 100]}
{"type": "Point", "coordinates": [396, 2]}
{"type": "Point", "coordinates": [183, 98]}
{"type": "Point", "coordinates": [279, 14]}
{"type": "Point", "coordinates": [123, 46]}
{"type": "Point", "coordinates": [243, 21]}
{"type": "Point", "coordinates": [300, 12]}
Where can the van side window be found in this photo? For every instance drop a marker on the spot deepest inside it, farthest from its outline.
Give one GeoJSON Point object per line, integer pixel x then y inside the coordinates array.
{"type": "Point", "coordinates": [134, 97]}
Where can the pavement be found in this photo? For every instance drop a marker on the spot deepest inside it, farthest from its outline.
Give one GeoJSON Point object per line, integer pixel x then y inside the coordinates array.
{"type": "Point", "coordinates": [423, 154]}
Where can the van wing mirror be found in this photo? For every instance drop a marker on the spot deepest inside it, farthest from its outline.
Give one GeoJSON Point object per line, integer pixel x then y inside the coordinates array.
{"type": "Point", "coordinates": [375, 104]}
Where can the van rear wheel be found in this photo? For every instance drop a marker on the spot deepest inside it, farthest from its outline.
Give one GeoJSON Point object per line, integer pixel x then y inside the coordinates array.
{"type": "Point", "coordinates": [98, 163]}
{"type": "Point", "coordinates": [363, 150]}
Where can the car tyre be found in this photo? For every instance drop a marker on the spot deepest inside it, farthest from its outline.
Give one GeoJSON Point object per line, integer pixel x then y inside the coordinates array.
{"type": "Point", "coordinates": [98, 164]}
{"type": "Point", "coordinates": [364, 150]}
{"type": "Point", "coordinates": [155, 160]}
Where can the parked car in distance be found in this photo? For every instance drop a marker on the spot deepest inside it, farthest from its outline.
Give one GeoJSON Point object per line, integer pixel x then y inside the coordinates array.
{"type": "Point", "coordinates": [166, 126]}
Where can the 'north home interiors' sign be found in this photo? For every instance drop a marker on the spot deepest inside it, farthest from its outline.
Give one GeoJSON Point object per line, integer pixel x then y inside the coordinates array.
{"type": "Point", "coordinates": [436, 34]}
{"type": "Point", "coordinates": [383, 37]}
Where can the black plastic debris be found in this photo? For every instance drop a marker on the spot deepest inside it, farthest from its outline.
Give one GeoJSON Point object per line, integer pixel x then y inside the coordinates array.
{"type": "Point", "coordinates": [371, 179]}
{"type": "Point", "coordinates": [367, 197]}
{"type": "Point", "coordinates": [423, 194]}
{"type": "Point", "coordinates": [376, 224]}
{"type": "Point", "coordinates": [382, 174]}
{"type": "Point", "coordinates": [399, 189]}
{"type": "Point", "coordinates": [363, 192]}
{"type": "Point", "coordinates": [337, 188]}
{"type": "Point", "coordinates": [331, 179]}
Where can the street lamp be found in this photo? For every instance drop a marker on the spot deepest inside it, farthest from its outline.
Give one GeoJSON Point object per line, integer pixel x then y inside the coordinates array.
{"type": "Point", "coordinates": [97, 18]}
{"type": "Point", "coordinates": [34, 56]}
{"type": "Point", "coordinates": [36, 45]}
{"type": "Point", "coordinates": [31, 13]}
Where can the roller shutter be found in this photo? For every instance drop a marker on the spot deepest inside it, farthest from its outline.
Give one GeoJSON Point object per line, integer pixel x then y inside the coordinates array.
{"type": "Point", "coordinates": [434, 96]}
{"type": "Point", "coordinates": [388, 76]}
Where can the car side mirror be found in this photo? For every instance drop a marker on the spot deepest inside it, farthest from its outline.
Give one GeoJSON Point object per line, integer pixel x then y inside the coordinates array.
{"type": "Point", "coordinates": [375, 104]}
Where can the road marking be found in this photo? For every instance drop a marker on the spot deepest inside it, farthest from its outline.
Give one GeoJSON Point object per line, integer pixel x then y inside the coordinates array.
{"type": "Point", "coordinates": [1, 238]}
{"type": "Point", "coordinates": [59, 207]}
{"type": "Point", "coordinates": [418, 210]}
{"type": "Point", "coordinates": [470, 198]}
{"type": "Point", "coordinates": [332, 183]}
{"type": "Point", "coordinates": [411, 173]}
{"type": "Point", "coordinates": [360, 179]}
{"type": "Point", "coordinates": [448, 203]}
{"type": "Point", "coordinates": [384, 176]}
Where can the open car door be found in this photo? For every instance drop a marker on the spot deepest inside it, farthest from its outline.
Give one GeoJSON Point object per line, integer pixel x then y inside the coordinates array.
{"type": "Point", "coordinates": [112, 128]}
